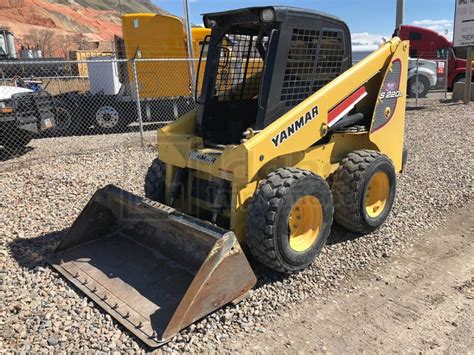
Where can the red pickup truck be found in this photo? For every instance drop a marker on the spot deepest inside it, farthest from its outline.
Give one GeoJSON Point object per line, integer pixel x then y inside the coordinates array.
{"type": "Point", "coordinates": [429, 44]}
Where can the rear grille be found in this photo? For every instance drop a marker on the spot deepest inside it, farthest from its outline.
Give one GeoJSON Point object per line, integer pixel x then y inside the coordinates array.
{"type": "Point", "coordinates": [33, 106]}
{"type": "Point", "coordinates": [44, 104]}
{"type": "Point", "coordinates": [24, 106]}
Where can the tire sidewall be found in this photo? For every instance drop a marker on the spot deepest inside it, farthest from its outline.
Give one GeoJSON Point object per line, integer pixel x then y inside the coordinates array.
{"type": "Point", "coordinates": [461, 78]}
{"type": "Point", "coordinates": [64, 112]}
{"type": "Point", "coordinates": [426, 85]}
{"type": "Point", "coordinates": [313, 186]}
{"type": "Point", "coordinates": [15, 140]}
{"type": "Point", "coordinates": [155, 181]}
{"type": "Point", "coordinates": [381, 164]}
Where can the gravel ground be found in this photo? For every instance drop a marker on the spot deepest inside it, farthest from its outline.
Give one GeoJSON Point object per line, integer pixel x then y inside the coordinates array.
{"type": "Point", "coordinates": [41, 197]}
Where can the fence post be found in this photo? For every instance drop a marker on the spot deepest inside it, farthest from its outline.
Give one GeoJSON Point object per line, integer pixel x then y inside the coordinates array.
{"type": "Point", "coordinates": [416, 82]}
{"type": "Point", "coordinates": [139, 106]}
{"type": "Point", "coordinates": [58, 83]}
{"type": "Point", "coordinates": [468, 76]}
{"type": "Point", "coordinates": [446, 78]}
{"type": "Point", "coordinates": [189, 35]}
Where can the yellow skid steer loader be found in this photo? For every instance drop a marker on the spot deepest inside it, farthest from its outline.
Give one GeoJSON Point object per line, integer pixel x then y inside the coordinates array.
{"type": "Point", "coordinates": [295, 137]}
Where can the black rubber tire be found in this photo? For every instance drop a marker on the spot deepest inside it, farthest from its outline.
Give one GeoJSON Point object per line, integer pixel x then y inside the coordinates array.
{"type": "Point", "coordinates": [121, 111]}
{"type": "Point", "coordinates": [64, 121]}
{"type": "Point", "coordinates": [349, 189]}
{"type": "Point", "coordinates": [421, 79]}
{"type": "Point", "coordinates": [15, 140]}
{"type": "Point", "coordinates": [267, 218]}
{"type": "Point", "coordinates": [155, 181]}
{"type": "Point", "coordinates": [460, 78]}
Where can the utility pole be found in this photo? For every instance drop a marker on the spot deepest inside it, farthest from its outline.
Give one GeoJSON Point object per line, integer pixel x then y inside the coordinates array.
{"type": "Point", "coordinates": [189, 35]}
{"type": "Point", "coordinates": [467, 85]}
{"type": "Point", "coordinates": [400, 14]}
{"type": "Point", "coordinates": [464, 37]}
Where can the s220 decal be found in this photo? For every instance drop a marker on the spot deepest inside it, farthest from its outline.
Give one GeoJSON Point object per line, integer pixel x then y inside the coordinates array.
{"type": "Point", "coordinates": [390, 90]}
{"type": "Point", "coordinates": [390, 94]}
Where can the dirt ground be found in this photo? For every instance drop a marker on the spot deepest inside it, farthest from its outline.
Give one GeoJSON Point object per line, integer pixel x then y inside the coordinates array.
{"type": "Point", "coordinates": [420, 301]}
{"type": "Point", "coordinates": [406, 287]}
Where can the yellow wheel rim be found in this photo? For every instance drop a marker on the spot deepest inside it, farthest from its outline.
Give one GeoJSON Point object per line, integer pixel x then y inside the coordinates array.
{"type": "Point", "coordinates": [377, 194]}
{"type": "Point", "coordinates": [305, 221]}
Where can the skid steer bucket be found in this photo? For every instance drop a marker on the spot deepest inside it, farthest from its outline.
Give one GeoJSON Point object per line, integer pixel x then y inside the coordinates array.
{"type": "Point", "coordinates": [154, 269]}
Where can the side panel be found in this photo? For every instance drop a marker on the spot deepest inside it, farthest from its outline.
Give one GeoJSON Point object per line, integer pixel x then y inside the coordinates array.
{"type": "Point", "coordinates": [157, 36]}
{"type": "Point", "coordinates": [388, 121]}
{"type": "Point", "coordinates": [199, 34]}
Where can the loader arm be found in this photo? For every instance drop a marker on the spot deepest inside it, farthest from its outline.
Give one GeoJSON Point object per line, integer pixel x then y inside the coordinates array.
{"type": "Point", "coordinates": [278, 139]}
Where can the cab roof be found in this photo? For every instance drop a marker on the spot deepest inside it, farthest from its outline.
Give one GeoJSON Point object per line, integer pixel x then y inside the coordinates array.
{"type": "Point", "coordinates": [282, 13]}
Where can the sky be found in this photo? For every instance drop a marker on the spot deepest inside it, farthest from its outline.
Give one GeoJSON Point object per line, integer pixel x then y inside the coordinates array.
{"type": "Point", "coordinates": [368, 20]}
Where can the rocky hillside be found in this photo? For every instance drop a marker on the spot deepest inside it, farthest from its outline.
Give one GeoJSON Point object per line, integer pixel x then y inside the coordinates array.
{"type": "Point", "coordinates": [127, 6]}
{"type": "Point", "coordinates": [62, 21]}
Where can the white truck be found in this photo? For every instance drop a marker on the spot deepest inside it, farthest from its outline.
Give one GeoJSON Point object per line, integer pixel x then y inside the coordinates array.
{"type": "Point", "coordinates": [427, 76]}
{"type": "Point", "coordinates": [23, 113]}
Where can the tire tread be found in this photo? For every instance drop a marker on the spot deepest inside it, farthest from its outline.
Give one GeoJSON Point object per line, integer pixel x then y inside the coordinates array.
{"type": "Point", "coordinates": [347, 181]}
{"type": "Point", "coordinates": [154, 181]}
{"type": "Point", "coordinates": [262, 216]}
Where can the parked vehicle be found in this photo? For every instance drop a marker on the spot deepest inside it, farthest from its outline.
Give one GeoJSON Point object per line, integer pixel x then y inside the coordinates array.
{"type": "Point", "coordinates": [23, 113]}
{"type": "Point", "coordinates": [266, 161]}
{"type": "Point", "coordinates": [429, 44]}
{"type": "Point", "coordinates": [427, 76]}
{"type": "Point", "coordinates": [163, 86]}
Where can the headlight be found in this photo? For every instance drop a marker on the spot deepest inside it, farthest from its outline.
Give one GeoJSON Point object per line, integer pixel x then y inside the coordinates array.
{"type": "Point", "coordinates": [6, 106]}
{"type": "Point", "coordinates": [210, 23]}
{"type": "Point", "coordinates": [6, 103]}
{"type": "Point", "coordinates": [267, 15]}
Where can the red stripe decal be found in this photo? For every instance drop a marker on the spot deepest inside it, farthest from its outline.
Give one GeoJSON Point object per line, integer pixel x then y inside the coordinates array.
{"type": "Point", "coordinates": [350, 100]}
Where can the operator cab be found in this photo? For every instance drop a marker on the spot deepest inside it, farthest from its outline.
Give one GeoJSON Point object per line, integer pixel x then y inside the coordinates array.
{"type": "Point", "coordinates": [263, 61]}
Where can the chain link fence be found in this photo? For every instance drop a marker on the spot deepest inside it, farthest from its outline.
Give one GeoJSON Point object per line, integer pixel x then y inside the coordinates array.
{"type": "Point", "coordinates": [428, 79]}
{"type": "Point", "coordinates": [99, 102]}
{"type": "Point", "coordinates": [56, 107]}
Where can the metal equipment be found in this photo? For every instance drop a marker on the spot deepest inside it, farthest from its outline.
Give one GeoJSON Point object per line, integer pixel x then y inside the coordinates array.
{"type": "Point", "coordinates": [287, 136]}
